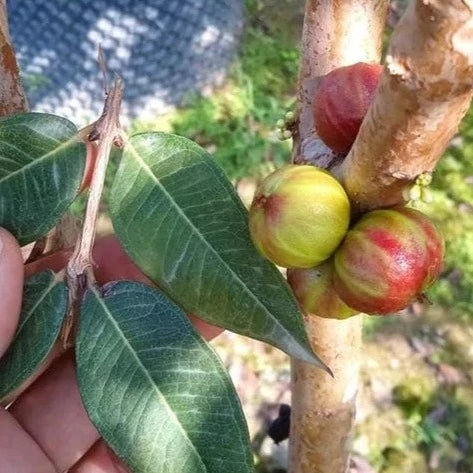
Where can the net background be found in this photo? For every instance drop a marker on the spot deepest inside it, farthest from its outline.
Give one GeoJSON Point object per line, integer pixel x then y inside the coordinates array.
{"type": "Point", "coordinates": [164, 50]}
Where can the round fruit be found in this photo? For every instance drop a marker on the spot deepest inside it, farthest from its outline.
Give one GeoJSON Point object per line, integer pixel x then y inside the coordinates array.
{"type": "Point", "coordinates": [299, 216]}
{"type": "Point", "coordinates": [341, 102]}
{"type": "Point", "coordinates": [316, 293]}
{"type": "Point", "coordinates": [387, 260]}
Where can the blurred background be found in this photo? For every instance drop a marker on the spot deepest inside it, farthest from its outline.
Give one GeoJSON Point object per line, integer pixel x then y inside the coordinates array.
{"type": "Point", "coordinates": [222, 72]}
{"type": "Point", "coordinates": [163, 50]}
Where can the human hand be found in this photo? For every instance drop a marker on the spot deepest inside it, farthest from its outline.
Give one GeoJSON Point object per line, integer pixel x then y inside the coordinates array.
{"type": "Point", "coordinates": [46, 429]}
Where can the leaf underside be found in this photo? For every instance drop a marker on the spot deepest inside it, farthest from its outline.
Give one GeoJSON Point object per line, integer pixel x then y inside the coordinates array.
{"type": "Point", "coordinates": [41, 168]}
{"type": "Point", "coordinates": [180, 220]}
{"type": "Point", "coordinates": [44, 308]}
{"type": "Point", "coordinates": [155, 390]}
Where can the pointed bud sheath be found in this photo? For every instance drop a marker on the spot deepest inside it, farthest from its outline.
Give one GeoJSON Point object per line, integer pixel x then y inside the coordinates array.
{"type": "Point", "coordinates": [387, 260]}
{"type": "Point", "coordinates": [341, 103]}
{"type": "Point", "coordinates": [299, 216]}
{"type": "Point", "coordinates": [315, 292]}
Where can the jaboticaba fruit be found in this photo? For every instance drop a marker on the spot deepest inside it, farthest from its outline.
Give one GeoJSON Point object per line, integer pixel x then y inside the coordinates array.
{"type": "Point", "coordinates": [299, 216]}
{"type": "Point", "coordinates": [387, 260]}
{"type": "Point", "coordinates": [341, 102]}
{"type": "Point", "coordinates": [316, 293]}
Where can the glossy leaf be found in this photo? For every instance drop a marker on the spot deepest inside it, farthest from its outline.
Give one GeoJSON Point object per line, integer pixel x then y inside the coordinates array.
{"type": "Point", "coordinates": [154, 389]}
{"type": "Point", "coordinates": [41, 168]}
{"type": "Point", "coordinates": [180, 220]}
{"type": "Point", "coordinates": [44, 308]}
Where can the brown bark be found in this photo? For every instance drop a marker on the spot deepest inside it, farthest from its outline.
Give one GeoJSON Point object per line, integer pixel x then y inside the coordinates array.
{"type": "Point", "coordinates": [12, 95]}
{"type": "Point", "coordinates": [425, 91]}
{"type": "Point", "coordinates": [336, 33]}
{"type": "Point", "coordinates": [323, 408]}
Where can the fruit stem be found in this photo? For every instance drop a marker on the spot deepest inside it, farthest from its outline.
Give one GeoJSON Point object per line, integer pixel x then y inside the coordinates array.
{"type": "Point", "coordinates": [79, 271]}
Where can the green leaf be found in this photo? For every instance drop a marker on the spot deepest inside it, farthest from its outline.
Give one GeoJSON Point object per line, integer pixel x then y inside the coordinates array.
{"type": "Point", "coordinates": [180, 220]}
{"type": "Point", "coordinates": [41, 168]}
{"type": "Point", "coordinates": [44, 308]}
{"type": "Point", "coordinates": [154, 389]}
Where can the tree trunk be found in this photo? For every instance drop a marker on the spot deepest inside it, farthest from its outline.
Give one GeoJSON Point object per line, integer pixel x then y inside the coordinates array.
{"type": "Point", "coordinates": [425, 91]}
{"type": "Point", "coordinates": [12, 95]}
{"type": "Point", "coordinates": [323, 408]}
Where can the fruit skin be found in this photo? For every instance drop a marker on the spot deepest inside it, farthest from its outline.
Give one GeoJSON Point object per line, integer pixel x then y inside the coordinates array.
{"type": "Point", "coordinates": [315, 292]}
{"type": "Point", "coordinates": [299, 216]}
{"type": "Point", "coordinates": [341, 102]}
{"type": "Point", "coordinates": [387, 260]}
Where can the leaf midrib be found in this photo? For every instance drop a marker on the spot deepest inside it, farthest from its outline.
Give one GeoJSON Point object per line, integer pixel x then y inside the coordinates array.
{"type": "Point", "coordinates": [39, 160]}
{"type": "Point", "coordinates": [146, 373]}
{"type": "Point", "coordinates": [148, 170]}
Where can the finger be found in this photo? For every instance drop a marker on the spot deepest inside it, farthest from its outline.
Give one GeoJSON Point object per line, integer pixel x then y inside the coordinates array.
{"type": "Point", "coordinates": [209, 332]}
{"type": "Point", "coordinates": [113, 264]}
{"type": "Point", "coordinates": [11, 287]}
{"type": "Point", "coordinates": [51, 412]}
{"type": "Point", "coordinates": [54, 354]}
{"type": "Point", "coordinates": [19, 453]}
{"type": "Point", "coordinates": [99, 459]}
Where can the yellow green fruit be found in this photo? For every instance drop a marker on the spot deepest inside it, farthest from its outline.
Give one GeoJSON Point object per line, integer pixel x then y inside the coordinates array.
{"type": "Point", "coordinates": [315, 292]}
{"type": "Point", "coordinates": [299, 216]}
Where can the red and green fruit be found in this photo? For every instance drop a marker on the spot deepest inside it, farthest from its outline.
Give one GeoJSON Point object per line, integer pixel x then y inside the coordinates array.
{"type": "Point", "coordinates": [341, 102]}
{"type": "Point", "coordinates": [299, 216]}
{"type": "Point", "coordinates": [315, 292]}
{"type": "Point", "coordinates": [387, 260]}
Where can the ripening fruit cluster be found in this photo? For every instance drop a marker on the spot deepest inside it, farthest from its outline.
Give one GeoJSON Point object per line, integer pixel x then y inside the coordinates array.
{"type": "Point", "coordinates": [300, 220]}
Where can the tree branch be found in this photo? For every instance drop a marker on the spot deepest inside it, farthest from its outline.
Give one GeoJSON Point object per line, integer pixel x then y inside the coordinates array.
{"type": "Point", "coordinates": [12, 95]}
{"type": "Point", "coordinates": [323, 409]}
{"type": "Point", "coordinates": [79, 270]}
{"type": "Point", "coordinates": [425, 91]}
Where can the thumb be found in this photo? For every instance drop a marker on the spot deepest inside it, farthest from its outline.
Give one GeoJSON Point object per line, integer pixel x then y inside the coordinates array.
{"type": "Point", "coordinates": [11, 287]}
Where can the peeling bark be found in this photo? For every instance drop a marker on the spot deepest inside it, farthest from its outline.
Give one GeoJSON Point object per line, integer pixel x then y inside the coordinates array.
{"type": "Point", "coordinates": [336, 33]}
{"type": "Point", "coordinates": [425, 91]}
{"type": "Point", "coordinates": [12, 95]}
